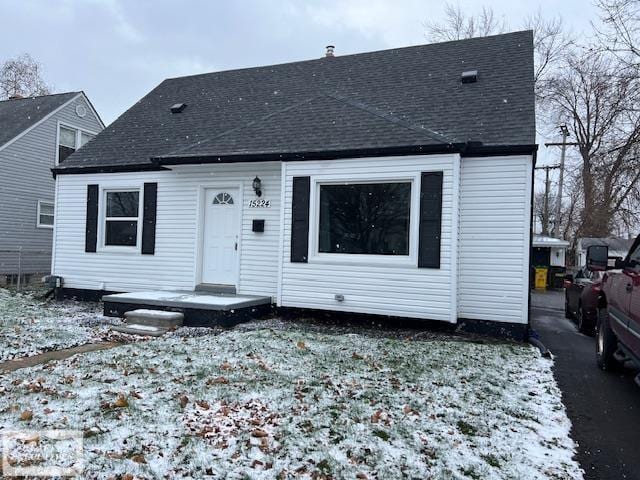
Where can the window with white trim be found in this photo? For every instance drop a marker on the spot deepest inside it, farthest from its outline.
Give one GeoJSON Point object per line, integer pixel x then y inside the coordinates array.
{"type": "Point", "coordinates": [121, 217]}
{"type": "Point", "coordinates": [45, 214]}
{"type": "Point", "coordinates": [365, 218]}
{"type": "Point", "coordinates": [70, 139]}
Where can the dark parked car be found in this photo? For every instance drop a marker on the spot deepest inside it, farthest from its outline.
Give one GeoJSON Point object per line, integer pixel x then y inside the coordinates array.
{"type": "Point", "coordinates": [582, 292]}
{"type": "Point", "coordinates": [618, 336]}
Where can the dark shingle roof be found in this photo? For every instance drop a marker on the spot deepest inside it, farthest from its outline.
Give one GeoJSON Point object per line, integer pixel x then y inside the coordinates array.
{"type": "Point", "coordinates": [19, 114]}
{"type": "Point", "coordinates": [391, 98]}
{"type": "Point", "coordinates": [614, 243]}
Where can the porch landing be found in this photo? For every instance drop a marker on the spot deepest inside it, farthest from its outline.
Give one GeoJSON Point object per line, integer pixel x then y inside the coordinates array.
{"type": "Point", "coordinates": [200, 309]}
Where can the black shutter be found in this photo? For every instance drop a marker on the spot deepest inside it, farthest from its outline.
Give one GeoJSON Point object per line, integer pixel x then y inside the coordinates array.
{"type": "Point", "coordinates": [430, 220]}
{"type": "Point", "coordinates": [149, 208]}
{"type": "Point", "coordinates": [91, 229]}
{"type": "Point", "coordinates": [300, 220]}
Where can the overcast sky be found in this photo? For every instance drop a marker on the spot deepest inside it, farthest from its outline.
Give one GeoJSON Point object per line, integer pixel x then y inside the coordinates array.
{"type": "Point", "coordinates": [116, 50]}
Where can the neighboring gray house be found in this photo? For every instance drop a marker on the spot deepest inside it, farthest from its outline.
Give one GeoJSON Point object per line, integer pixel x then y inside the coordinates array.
{"type": "Point", "coordinates": [618, 247]}
{"type": "Point", "coordinates": [36, 135]}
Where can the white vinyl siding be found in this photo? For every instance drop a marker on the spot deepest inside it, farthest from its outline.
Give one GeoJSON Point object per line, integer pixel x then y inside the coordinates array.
{"type": "Point", "coordinates": [395, 288]}
{"type": "Point", "coordinates": [173, 266]}
{"type": "Point", "coordinates": [495, 211]}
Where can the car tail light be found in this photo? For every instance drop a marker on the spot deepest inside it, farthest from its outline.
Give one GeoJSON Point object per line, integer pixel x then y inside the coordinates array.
{"type": "Point", "coordinates": [567, 284]}
{"type": "Point", "coordinates": [596, 288]}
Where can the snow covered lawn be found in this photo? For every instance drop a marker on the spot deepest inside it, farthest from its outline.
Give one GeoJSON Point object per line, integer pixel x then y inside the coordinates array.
{"type": "Point", "coordinates": [293, 403]}
{"type": "Point", "coordinates": [29, 326]}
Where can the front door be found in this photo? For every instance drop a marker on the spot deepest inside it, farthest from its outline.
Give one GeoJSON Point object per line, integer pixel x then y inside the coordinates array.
{"type": "Point", "coordinates": [220, 237]}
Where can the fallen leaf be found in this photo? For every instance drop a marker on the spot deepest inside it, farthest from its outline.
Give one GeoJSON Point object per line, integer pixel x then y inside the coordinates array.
{"type": "Point", "coordinates": [183, 400]}
{"type": "Point", "coordinates": [33, 438]}
{"type": "Point", "coordinates": [225, 366]}
{"type": "Point", "coordinates": [126, 476]}
{"type": "Point", "coordinates": [375, 418]}
{"type": "Point", "coordinates": [213, 381]}
{"type": "Point", "coordinates": [121, 402]}
{"type": "Point", "coordinates": [259, 433]}
{"type": "Point", "coordinates": [139, 458]}
{"type": "Point", "coordinates": [356, 356]}
{"type": "Point", "coordinates": [301, 345]}
{"type": "Point", "coordinates": [361, 476]}
{"type": "Point", "coordinates": [135, 394]}
{"type": "Point", "coordinates": [26, 416]}
{"type": "Point", "coordinates": [203, 404]}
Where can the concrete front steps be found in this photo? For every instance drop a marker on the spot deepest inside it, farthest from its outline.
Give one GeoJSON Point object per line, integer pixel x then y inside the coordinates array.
{"type": "Point", "coordinates": [153, 323]}
{"type": "Point", "coordinates": [200, 309]}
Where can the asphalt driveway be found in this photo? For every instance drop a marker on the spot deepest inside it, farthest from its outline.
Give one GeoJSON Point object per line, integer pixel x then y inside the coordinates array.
{"type": "Point", "coordinates": [603, 407]}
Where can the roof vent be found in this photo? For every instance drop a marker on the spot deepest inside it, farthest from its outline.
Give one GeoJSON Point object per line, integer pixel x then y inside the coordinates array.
{"type": "Point", "coordinates": [330, 49]}
{"type": "Point", "coordinates": [178, 107]}
{"type": "Point", "coordinates": [470, 76]}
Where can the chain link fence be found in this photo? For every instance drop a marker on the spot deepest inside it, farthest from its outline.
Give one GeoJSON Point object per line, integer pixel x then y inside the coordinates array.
{"type": "Point", "coordinates": [20, 267]}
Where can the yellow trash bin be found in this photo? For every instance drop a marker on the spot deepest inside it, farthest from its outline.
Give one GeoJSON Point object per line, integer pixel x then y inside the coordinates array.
{"type": "Point", "coordinates": [541, 278]}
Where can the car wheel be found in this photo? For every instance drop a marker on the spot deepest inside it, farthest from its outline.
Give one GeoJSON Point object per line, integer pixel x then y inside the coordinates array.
{"type": "Point", "coordinates": [584, 326]}
{"type": "Point", "coordinates": [567, 311]}
{"type": "Point", "coordinates": [606, 343]}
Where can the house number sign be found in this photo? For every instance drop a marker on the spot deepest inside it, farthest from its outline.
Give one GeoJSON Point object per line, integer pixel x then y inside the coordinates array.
{"type": "Point", "coordinates": [260, 203]}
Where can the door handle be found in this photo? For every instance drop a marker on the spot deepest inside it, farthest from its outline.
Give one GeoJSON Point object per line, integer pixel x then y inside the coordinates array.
{"type": "Point", "coordinates": [629, 287]}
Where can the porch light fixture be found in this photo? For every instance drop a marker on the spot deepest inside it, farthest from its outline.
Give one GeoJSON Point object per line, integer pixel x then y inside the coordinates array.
{"type": "Point", "coordinates": [257, 186]}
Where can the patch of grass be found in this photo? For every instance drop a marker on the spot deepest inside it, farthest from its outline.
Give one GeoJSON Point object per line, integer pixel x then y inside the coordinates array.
{"type": "Point", "coordinates": [471, 473]}
{"type": "Point", "coordinates": [324, 467]}
{"type": "Point", "coordinates": [491, 460]}
{"type": "Point", "coordinates": [467, 429]}
{"type": "Point", "coordinates": [382, 434]}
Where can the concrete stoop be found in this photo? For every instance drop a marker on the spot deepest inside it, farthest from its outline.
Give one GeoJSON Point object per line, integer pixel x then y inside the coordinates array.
{"type": "Point", "coordinates": [146, 322]}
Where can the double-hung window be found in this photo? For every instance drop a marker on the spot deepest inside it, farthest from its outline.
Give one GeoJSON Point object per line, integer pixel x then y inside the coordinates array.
{"type": "Point", "coordinates": [365, 218]}
{"type": "Point", "coordinates": [121, 217]}
{"type": "Point", "coordinates": [70, 139]}
{"type": "Point", "coordinates": [45, 214]}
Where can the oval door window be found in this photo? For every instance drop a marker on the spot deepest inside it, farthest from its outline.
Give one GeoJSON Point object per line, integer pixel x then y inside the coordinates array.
{"type": "Point", "coordinates": [223, 198]}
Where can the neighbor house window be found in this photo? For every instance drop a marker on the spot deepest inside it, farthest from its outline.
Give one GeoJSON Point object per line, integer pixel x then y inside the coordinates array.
{"type": "Point", "coordinates": [365, 218]}
{"type": "Point", "coordinates": [121, 218]}
{"type": "Point", "coordinates": [70, 139]}
{"type": "Point", "coordinates": [66, 142]}
{"type": "Point", "coordinates": [85, 137]}
{"type": "Point", "coordinates": [45, 214]}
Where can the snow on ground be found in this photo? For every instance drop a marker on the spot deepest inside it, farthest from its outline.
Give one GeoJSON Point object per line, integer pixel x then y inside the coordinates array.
{"type": "Point", "coordinates": [294, 403]}
{"type": "Point", "coordinates": [29, 326]}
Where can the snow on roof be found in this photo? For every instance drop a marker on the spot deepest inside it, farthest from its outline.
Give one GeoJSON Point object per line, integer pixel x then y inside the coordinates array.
{"type": "Point", "coordinates": [545, 241]}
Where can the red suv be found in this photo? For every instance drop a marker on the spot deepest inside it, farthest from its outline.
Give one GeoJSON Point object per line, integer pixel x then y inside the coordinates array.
{"type": "Point", "coordinates": [618, 330]}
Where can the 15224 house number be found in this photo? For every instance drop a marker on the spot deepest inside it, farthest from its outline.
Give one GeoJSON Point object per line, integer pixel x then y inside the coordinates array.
{"type": "Point", "coordinates": [260, 203]}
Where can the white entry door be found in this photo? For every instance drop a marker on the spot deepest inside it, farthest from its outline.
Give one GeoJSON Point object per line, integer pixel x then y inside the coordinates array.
{"type": "Point", "coordinates": [221, 232]}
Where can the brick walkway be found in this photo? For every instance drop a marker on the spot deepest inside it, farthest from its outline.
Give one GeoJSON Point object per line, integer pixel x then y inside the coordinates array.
{"type": "Point", "coordinates": [12, 365]}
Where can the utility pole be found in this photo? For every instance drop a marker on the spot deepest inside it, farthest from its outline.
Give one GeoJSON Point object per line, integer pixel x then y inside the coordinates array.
{"type": "Point", "coordinates": [547, 188]}
{"type": "Point", "coordinates": [565, 133]}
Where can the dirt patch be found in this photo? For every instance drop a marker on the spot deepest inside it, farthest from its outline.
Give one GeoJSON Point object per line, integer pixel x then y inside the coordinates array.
{"type": "Point", "coordinates": [12, 365]}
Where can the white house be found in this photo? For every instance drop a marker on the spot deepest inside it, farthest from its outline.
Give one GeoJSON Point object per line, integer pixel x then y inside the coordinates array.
{"type": "Point", "coordinates": [392, 183]}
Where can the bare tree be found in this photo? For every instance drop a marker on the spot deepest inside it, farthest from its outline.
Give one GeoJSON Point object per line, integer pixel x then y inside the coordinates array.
{"type": "Point", "coordinates": [600, 106]}
{"type": "Point", "coordinates": [458, 24]}
{"type": "Point", "coordinates": [550, 41]}
{"type": "Point", "coordinates": [619, 30]}
{"type": "Point", "coordinates": [550, 44]}
{"type": "Point", "coordinates": [22, 77]}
